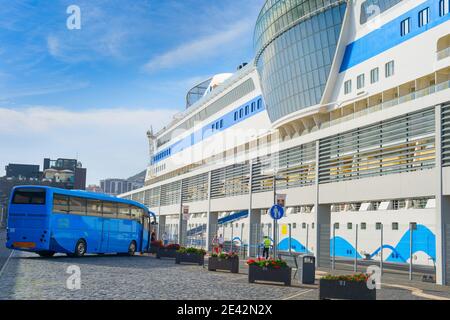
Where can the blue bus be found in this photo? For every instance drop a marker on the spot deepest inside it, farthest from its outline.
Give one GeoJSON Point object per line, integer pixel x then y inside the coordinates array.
{"type": "Point", "coordinates": [49, 220]}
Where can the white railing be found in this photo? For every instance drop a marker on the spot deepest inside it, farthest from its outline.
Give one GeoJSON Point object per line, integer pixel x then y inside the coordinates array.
{"type": "Point", "coordinates": [390, 103]}
{"type": "Point", "coordinates": [443, 53]}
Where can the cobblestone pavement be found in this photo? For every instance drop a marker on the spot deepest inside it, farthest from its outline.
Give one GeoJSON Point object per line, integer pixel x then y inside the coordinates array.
{"type": "Point", "coordinates": [113, 277]}
{"type": "Point", "coordinates": [28, 276]}
{"type": "Point", "coordinates": [4, 252]}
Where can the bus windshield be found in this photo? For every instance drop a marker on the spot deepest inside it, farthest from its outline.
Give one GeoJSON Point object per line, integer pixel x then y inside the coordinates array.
{"type": "Point", "coordinates": [29, 196]}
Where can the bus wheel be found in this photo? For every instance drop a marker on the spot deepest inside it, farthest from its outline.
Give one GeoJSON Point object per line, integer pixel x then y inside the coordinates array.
{"type": "Point", "coordinates": [80, 248]}
{"type": "Point", "coordinates": [132, 248]}
{"type": "Point", "coordinates": [46, 254]}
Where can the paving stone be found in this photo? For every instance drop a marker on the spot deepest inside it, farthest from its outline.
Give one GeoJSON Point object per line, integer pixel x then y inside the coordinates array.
{"type": "Point", "coordinates": [112, 277]}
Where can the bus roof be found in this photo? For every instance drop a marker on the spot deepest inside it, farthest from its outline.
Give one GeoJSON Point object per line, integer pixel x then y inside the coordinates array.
{"type": "Point", "coordinates": [86, 194]}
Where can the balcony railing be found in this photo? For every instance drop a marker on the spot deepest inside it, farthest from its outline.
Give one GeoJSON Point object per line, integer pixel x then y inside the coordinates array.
{"type": "Point", "coordinates": [390, 103]}
{"type": "Point", "coordinates": [443, 53]}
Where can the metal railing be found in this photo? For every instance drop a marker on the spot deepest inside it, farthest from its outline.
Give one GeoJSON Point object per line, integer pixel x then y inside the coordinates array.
{"type": "Point", "coordinates": [390, 103]}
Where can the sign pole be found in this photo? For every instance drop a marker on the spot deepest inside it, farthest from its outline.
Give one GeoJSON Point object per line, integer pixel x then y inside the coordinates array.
{"type": "Point", "coordinates": [274, 220]}
{"type": "Point", "coordinates": [290, 237]}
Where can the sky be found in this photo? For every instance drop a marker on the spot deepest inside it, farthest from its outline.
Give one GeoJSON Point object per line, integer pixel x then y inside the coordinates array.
{"type": "Point", "coordinates": [93, 92]}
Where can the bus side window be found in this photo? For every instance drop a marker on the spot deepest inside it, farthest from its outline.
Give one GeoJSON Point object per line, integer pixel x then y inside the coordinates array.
{"type": "Point", "coordinates": [141, 216]}
{"type": "Point", "coordinates": [60, 203]}
{"type": "Point", "coordinates": [77, 206]}
{"type": "Point", "coordinates": [124, 211]}
{"type": "Point", "coordinates": [94, 208]}
{"type": "Point", "coordinates": [109, 210]}
{"type": "Point", "coordinates": [136, 213]}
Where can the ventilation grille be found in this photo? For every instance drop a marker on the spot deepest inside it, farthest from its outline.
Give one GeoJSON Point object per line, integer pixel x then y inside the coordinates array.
{"type": "Point", "coordinates": [195, 188]}
{"type": "Point", "coordinates": [445, 119]}
{"type": "Point", "coordinates": [170, 193]}
{"type": "Point", "coordinates": [230, 181]}
{"type": "Point", "coordinates": [152, 197]}
{"type": "Point", "coordinates": [294, 167]}
{"type": "Point", "coordinates": [401, 144]}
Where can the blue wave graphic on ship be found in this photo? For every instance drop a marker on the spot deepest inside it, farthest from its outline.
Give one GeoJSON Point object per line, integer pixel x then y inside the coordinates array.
{"type": "Point", "coordinates": [423, 241]}
{"type": "Point", "coordinates": [343, 248]}
{"type": "Point", "coordinates": [296, 246]}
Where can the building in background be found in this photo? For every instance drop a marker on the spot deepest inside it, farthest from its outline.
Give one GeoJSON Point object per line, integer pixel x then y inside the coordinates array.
{"type": "Point", "coordinates": [22, 171]}
{"type": "Point", "coordinates": [68, 172]}
{"type": "Point", "coordinates": [94, 188]}
{"type": "Point", "coordinates": [115, 186]}
{"type": "Point", "coordinates": [60, 173]}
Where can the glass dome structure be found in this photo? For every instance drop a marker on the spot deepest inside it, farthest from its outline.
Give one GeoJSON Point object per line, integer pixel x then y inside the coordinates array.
{"type": "Point", "coordinates": [295, 43]}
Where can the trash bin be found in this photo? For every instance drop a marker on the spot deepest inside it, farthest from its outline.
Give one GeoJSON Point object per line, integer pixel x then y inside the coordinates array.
{"type": "Point", "coordinates": [306, 269]}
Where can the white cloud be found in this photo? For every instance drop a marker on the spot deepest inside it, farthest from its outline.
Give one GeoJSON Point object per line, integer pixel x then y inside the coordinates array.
{"type": "Point", "coordinates": [212, 45]}
{"type": "Point", "coordinates": [53, 45]}
{"type": "Point", "coordinates": [109, 142]}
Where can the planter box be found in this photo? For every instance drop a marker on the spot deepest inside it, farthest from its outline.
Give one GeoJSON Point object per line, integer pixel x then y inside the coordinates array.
{"type": "Point", "coordinates": [190, 258]}
{"type": "Point", "coordinates": [347, 290]}
{"type": "Point", "coordinates": [166, 253]}
{"type": "Point", "coordinates": [153, 249]}
{"type": "Point", "coordinates": [269, 274]}
{"type": "Point", "coordinates": [230, 264]}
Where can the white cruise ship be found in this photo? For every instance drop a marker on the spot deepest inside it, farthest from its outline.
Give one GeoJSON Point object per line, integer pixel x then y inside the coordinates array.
{"type": "Point", "coordinates": [346, 111]}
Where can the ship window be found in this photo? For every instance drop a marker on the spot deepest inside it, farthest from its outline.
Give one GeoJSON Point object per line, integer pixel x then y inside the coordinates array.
{"type": "Point", "coordinates": [221, 123]}
{"type": "Point", "coordinates": [246, 110]}
{"type": "Point", "coordinates": [240, 113]}
{"type": "Point", "coordinates": [235, 116]}
{"type": "Point", "coordinates": [253, 107]}
{"type": "Point", "coordinates": [360, 81]}
{"type": "Point", "coordinates": [374, 75]}
{"type": "Point", "coordinates": [424, 16]}
{"type": "Point", "coordinates": [389, 69]}
{"type": "Point", "coordinates": [259, 104]}
{"type": "Point", "coordinates": [394, 225]}
{"type": "Point", "coordinates": [363, 226]}
{"type": "Point", "coordinates": [348, 86]}
{"type": "Point", "coordinates": [443, 7]}
{"type": "Point", "coordinates": [405, 27]}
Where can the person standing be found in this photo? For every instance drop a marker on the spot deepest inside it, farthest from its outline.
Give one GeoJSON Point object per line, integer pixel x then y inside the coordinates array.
{"type": "Point", "coordinates": [153, 236]}
{"type": "Point", "coordinates": [266, 249]}
{"type": "Point", "coordinates": [165, 239]}
{"type": "Point", "coordinates": [221, 242]}
{"type": "Point", "coordinates": [215, 244]}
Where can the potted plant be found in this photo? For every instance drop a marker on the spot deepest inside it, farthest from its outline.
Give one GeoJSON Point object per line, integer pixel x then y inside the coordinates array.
{"type": "Point", "coordinates": [154, 245]}
{"type": "Point", "coordinates": [224, 261]}
{"type": "Point", "coordinates": [190, 255]}
{"type": "Point", "coordinates": [275, 270]}
{"type": "Point", "coordinates": [169, 251]}
{"type": "Point", "coordinates": [348, 287]}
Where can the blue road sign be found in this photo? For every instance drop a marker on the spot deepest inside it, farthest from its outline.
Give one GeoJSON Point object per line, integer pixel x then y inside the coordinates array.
{"type": "Point", "coordinates": [276, 212]}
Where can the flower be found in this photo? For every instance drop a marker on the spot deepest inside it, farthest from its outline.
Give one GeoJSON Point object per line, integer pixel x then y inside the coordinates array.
{"type": "Point", "coordinates": [191, 251]}
{"type": "Point", "coordinates": [267, 263]}
{"type": "Point", "coordinates": [359, 277]}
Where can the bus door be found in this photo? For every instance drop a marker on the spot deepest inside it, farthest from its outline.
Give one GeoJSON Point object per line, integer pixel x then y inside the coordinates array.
{"type": "Point", "coordinates": [106, 230]}
{"type": "Point", "coordinates": [145, 236]}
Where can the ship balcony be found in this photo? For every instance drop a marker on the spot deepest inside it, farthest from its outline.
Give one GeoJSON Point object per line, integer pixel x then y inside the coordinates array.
{"type": "Point", "coordinates": [412, 90]}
